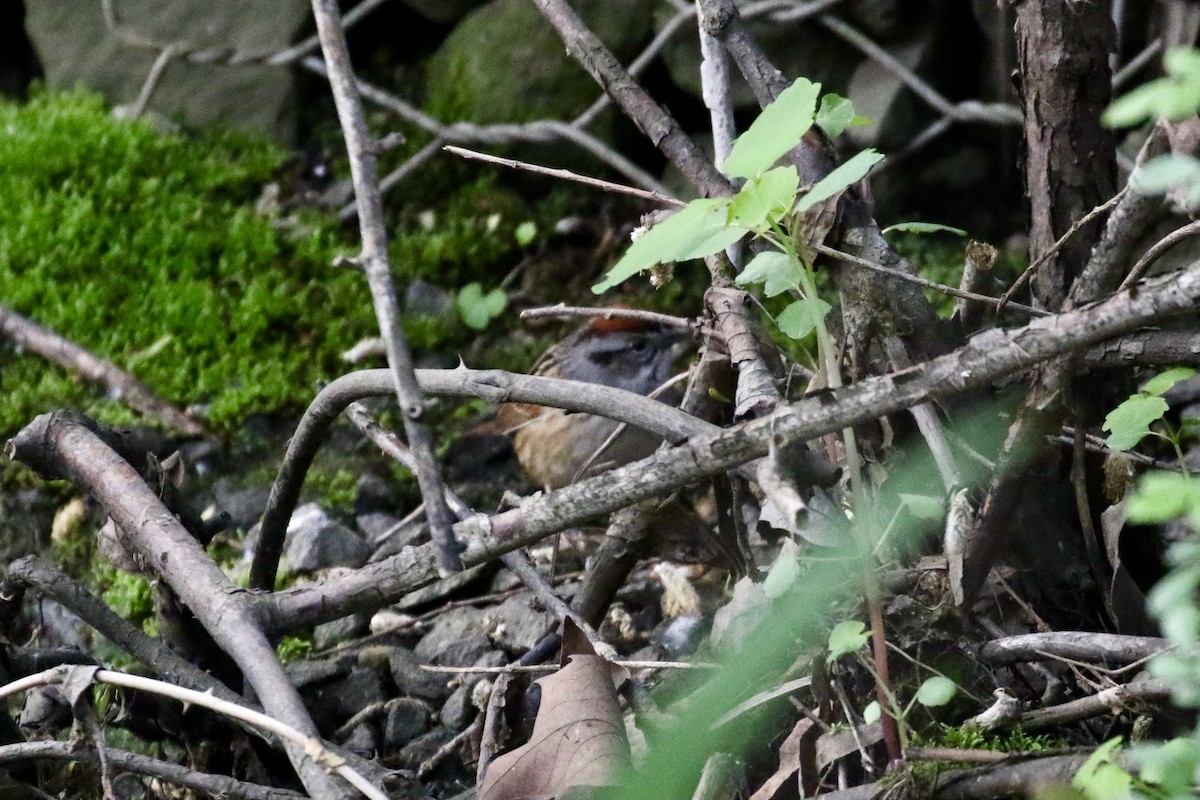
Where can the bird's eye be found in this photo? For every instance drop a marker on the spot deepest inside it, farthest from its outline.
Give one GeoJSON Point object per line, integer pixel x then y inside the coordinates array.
{"type": "Point", "coordinates": [640, 346]}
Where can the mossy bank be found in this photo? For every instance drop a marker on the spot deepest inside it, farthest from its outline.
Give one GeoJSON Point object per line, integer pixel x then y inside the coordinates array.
{"type": "Point", "coordinates": [157, 251]}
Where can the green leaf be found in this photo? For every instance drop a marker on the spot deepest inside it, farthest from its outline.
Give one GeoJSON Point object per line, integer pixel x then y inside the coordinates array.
{"type": "Point", "coordinates": [1130, 422]}
{"type": "Point", "coordinates": [1174, 97]}
{"type": "Point", "coordinates": [872, 713]}
{"type": "Point", "coordinates": [778, 129]}
{"type": "Point", "coordinates": [777, 271]}
{"type": "Point", "coordinates": [846, 637]}
{"type": "Point", "coordinates": [478, 309]}
{"type": "Point", "coordinates": [1165, 173]}
{"type": "Point", "coordinates": [849, 173]}
{"type": "Point", "coordinates": [1100, 778]}
{"type": "Point", "coordinates": [1163, 381]}
{"type": "Point", "coordinates": [923, 506]}
{"type": "Point", "coordinates": [525, 233]}
{"type": "Point", "coordinates": [697, 230]}
{"type": "Point", "coordinates": [1162, 497]}
{"type": "Point", "coordinates": [923, 227]}
{"type": "Point", "coordinates": [801, 317]}
{"type": "Point", "coordinates": [783, 572]}
{"type": "Point", "coordinates": [936, 691]}
{"type": "Point", "coordinates": [765, 199]}
{"type": "Point", "coordinates": [1170, 765]}
{"type": "Point", "coordinates": [836, 114]}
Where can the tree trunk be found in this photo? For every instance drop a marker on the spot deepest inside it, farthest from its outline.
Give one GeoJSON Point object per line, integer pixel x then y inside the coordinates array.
{"type": "Point", "coordinates": [1070, 162]}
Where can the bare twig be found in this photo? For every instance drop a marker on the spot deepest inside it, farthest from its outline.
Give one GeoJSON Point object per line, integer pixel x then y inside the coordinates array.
{"type": "Point", "coordinates": [567, 175]}
{"type": "Point", "coordinates": [941, 287]}
{"type": "Point", "coordinates": [563, 310]}
{"type": "Point", "coordinates": [374, 262]}
{"type": "Point", "coordinates": [48, 344]}
{"type": "Point", "coordinates": [1062, 240]}
{"type": "Point", "coordinates": [1154, 253]}
{"type": "Point", "coordinates": [207, 784]}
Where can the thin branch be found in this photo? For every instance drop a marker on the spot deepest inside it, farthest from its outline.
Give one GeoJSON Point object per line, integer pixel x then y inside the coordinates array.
{"type": "Point", "coordinates": [563, 310]}
{"type": "Point", "coordinates": [567, 175]}
{"type": "Point", "coordinates": [1062, 240]}
{"type": "Point", "coordinates": [1154, 253]}
{"type": "Point", "coordinates": [941, 287]}
{"type": "Point", "coordinates": [211, 785]}
{"type": "Point", "coordinates": [120, 384]}
{"type": "Point", "coordinates": [374, 262]}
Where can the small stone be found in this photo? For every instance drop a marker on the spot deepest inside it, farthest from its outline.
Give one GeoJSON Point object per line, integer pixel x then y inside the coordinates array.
{"type": "Point", "coordinates": [407, 718]}
{"type": "Point", "coordinates": [456, 640]}
{"type": "Point", "coordinates": [413, 681]}
{"type": "Point", "coordinates": [457, 710]}
{"type": "Point", "coordinates": [423, 747]}
{"type": "Point", "coordinates": [316, 541]}
{"type": "Point", "coordinates": [363, 741]}
{"type": "Point", "coordinates": [333, 703]}
{"type": "Point", "coordinates": [374, 525]}
{"type": "Point", "coordinates": [329, 634]}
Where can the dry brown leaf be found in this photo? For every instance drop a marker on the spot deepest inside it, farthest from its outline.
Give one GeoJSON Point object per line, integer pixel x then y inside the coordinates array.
{"type": "Point", "coordinates": [578, 737]}
{"type": "Point", "coordinates": [789, 761]}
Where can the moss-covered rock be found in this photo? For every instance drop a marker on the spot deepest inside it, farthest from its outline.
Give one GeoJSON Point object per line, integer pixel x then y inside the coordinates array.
{"type": "Point", "coordinates": [504, 63]}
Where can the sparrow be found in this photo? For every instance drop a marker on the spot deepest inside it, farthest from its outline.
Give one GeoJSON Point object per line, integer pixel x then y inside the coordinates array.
{"type": "Point", "coordinates": [554, 446]}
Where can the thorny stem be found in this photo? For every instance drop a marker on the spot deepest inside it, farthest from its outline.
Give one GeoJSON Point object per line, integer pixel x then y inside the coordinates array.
{"type": "Point", "coordinates": [374, 261]}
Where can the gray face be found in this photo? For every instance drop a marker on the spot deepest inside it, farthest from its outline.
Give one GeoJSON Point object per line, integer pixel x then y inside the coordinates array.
{"type": "Point", "coordinates": [636, 361]}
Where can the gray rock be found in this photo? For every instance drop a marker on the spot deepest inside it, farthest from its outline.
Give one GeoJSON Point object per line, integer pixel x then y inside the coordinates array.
{"type": "Point", "coordinates": [429, 300]}
{"type": "Point", "coordinates": [413, 681]}
{"type": "Point", "coordinates": [335, 702]}
{"type": "Point", "coordinates": [457, 710]}
{"type": "Point", "coordinates": [332, 633]}
{"type": "Point", "coordinates": [306, 673]}
{"type": "Point", "coordinates": [75, 47]}
{"type": "Point", "coordinates": [363, 741]}
{"type": "Point", "coordinates": [407, 718]}
{"type": "Point", "coordinates": [423, 747]}
{"type": "Point", "coordinates": [530, 76]}
{"type": "Point", "coordinates": [316, 541]}
{"type": "Point", "coordinates": [516, 625]}
{"type": "Point", "coordinates": [243, 505]}
{"type": "Point", "coordinates": [456, 640]}
{"type": "Point", "coordinates": [374, 525]}
{"type": "Point", "coordinates": [373, 493]}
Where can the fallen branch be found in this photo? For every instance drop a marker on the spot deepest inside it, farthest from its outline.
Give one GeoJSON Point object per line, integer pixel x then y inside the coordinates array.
{"type": "Point", "coordinates": [121, 385]}
{"type": "Point", "coordinates": [987, 356]}
{"type": "Point", "coordinates": [1099, 648]}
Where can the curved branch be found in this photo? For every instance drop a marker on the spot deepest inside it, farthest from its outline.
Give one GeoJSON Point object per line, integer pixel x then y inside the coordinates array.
{"type": "Point", "coordinates": [492, 385]}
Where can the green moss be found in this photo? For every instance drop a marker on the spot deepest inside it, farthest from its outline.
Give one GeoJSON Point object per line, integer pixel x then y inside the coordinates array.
{"type": "Point", "coordinates": [334, 489]}
{"type": "Point", "coordinates": [130, 596]}
{"type": "Point", "coordinates": [148, 250]}
{"type": "Point", "coordinates": [293, 647]}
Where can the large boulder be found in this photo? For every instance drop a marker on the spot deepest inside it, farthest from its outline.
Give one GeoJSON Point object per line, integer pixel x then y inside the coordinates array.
{"type": "Point", "coordinates": [76, 47]}
{"type": "Point", "coordinates": [504, 63]}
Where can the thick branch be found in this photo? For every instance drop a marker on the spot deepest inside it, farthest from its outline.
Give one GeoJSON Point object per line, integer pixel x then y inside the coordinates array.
{"type": "Point", "coordinates": [988, 356]}
{"type": "Point", "coordinates": [58, 445]}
